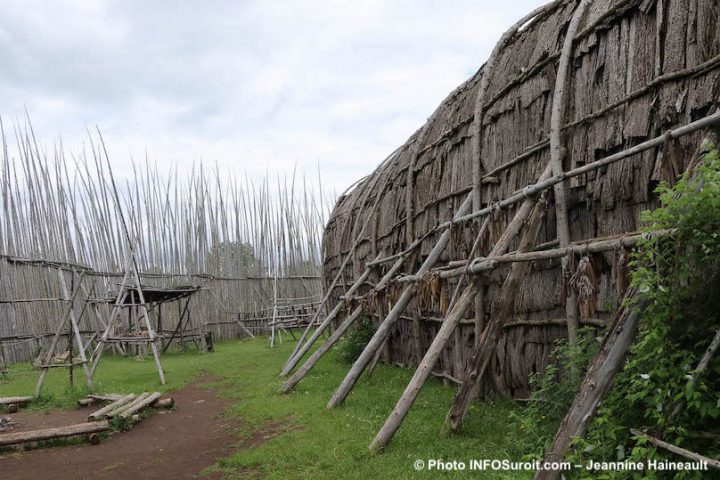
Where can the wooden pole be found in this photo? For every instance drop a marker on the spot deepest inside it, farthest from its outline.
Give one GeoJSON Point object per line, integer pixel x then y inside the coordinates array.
{"type": "Point", "coordinates": [695, 457]}
{"type": "Point", "coordinates": [315, 357]}
{"type": "Point", "coordinates": [98, 414]}
{"type": "Point", "coordinates": [556, 158]}
{"type": "Point", "coordinates": [699, 370]}
{"type": "Point", "coordinates": [122, 408]}
{"type": "Point", "coordinates": [549, 182]}
{"type": "Point", "coordinates": [293, 356]}
{"type": "Point", "coordinates": [424, 370]}
{"type": "Point", "coordinates": [384, 329]}
{"type": "Point", "coordinates": [597, 382]}
{"type": "Point", "coordinates": [53, 344]}
{"type": "Point", "coordinates": [325, 323]}
{"type": "Point", "coordinates": [504, 307]}
{"type": "Point", "coordinates": [75, 330]}
{"type": "Point", "coordinates": [139, 405]}
{"type": "Point", "coordinates": [478, 131]}
{"type": "Point", "coordinates": [443, 335]}
{"type": "Point", "coordinates": [339, 332]}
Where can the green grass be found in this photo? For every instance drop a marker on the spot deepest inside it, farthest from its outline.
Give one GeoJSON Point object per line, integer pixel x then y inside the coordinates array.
{"type": "Point", "coordinates": [316, 443]}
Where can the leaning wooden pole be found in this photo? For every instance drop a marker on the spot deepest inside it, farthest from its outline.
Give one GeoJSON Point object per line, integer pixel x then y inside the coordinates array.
{"type": "Point", "coordinates": [293, 359]}
{"type": "Point", "coordinates": [598, 380]}
{"type": "Point", "coordinates": [317, 355]}
{"type": "Point", "coordinates": [384, 329]}
{"type": "Point", "coordinates": [448, 326]}
{"type": "Point", "coordinates": [339, 332]}
{"type": "Point", "coordinates": [302, 351]}
{"type": "Point", "coordinates": [396, 417]}
{"type": "Point", "coordinates": [504, 308]}
{"type": "Point", "coordinates": [692, 456]}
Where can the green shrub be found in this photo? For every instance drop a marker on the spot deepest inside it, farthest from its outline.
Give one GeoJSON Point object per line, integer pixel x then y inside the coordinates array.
{"type": "Point", "coordinates": [676, 267]}
{"type": "Point", "coordinates": [554, 390]}
{"type": "Point", "coordinates": [679, 273]}
{"type": "Point", "coordinates": [356, 339]}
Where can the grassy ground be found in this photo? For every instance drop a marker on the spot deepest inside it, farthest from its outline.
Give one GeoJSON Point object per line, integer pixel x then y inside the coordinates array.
{"type": "Point", "coordinates": [316, 443]}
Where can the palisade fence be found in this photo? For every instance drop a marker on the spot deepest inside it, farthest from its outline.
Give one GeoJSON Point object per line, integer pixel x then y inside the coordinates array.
{"type": "Point", "coordinates": [252, 248]}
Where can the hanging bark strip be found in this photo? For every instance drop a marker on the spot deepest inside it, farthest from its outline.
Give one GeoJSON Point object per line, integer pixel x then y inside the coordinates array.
{"type": "Point", "coordinates": [486, 346]}
{"type": "Point", "coordinates": [384, 329]}
{"type": "Point", "coordinates": [598, 380]}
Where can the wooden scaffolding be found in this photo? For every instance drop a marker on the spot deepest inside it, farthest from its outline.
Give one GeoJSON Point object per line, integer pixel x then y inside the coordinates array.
{"type": "Point", "coordinates": [130, 299]}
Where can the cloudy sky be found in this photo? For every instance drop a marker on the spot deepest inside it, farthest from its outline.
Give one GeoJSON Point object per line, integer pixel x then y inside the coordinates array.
{"type": "Point", "coordinates": [253, 85]}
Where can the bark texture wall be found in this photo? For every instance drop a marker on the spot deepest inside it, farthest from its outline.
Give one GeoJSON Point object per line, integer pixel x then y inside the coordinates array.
{"type": "Point", "coordinates": [638, 69]}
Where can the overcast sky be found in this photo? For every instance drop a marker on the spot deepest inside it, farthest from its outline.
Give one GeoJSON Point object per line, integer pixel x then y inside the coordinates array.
{"type": "Point", "coordinates": [255, 85]}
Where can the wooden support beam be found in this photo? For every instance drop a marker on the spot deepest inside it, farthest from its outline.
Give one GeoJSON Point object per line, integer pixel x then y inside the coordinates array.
{"type": "Point", "coordinates": [317, 355]}
{"type": "Point", "coordinates": [339, 332]}
{"type": "Point", "coordinates": [557, 154]}
{"type": "Point", "coordinates": [302, 351]}
{"type": "Point", "coordinates": [699, 370]}
{"type": "Point", "coordinates": [452, 319]}
{"type": "Point", "coordinates": [503, 310]}
{"type": "Point", "coordinates": [61, 326]}
{"type": "Point", "coordinates": [549, 182]}
{"type": "Point", "coordinates": [384, 329]}
{"type": "Point", "coordinates": [424, 369]}
{"type": "Point", "coordinates": [287, 368]}
{"type": "Point", "coordinates": [598, 379]}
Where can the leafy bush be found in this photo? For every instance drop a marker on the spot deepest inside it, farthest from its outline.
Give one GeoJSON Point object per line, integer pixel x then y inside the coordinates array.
{"type": "Point", "coordinates": [677, 268]}
{"type": "Point", "coordinates": [554, 390]}
{"type": "Point", "coordinates": [356, 339]}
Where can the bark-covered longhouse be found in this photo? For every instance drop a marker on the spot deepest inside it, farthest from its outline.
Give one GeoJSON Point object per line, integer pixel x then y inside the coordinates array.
{"type": "Point", "coordinates": [637, 69]}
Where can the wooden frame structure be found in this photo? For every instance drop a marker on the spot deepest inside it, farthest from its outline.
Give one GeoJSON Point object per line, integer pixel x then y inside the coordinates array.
{"type": "Point", "coordinates": [130, 289]}
{"type": "Point", "coordinates": [45, 362]}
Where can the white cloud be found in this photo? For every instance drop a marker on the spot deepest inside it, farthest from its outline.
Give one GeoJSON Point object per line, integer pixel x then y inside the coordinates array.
{"type": "Point", "coordinates": [253, 85]}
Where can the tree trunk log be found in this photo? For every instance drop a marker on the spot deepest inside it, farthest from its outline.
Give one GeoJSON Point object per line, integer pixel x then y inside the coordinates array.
{"type": "Point", "coordinates": [139, 405]}
{"type": "Point", "coordinates": [98, 414]}
{"type": "Point", "coordinates": [53, 433]}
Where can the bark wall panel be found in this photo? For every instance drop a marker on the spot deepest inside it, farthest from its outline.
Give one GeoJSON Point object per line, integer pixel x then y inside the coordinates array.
{"type": "Point", "coordinates": [616, 55]}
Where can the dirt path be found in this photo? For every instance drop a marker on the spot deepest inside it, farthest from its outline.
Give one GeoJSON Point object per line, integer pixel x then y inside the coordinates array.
{"type": "Point", "coordinates": [174, 444]}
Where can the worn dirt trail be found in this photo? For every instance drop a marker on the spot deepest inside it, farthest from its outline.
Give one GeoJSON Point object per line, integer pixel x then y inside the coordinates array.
{"type": "Point", "coordinates": [174, 444]}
